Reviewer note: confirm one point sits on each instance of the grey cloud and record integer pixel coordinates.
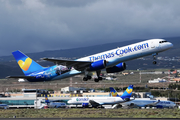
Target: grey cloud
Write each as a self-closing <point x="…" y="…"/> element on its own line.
<point x="38" y="25"/>
<point x="68" y="3"/>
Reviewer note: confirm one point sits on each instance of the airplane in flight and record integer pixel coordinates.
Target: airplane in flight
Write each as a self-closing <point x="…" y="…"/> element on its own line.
<point x="99" y="101"/>
<point x="112" y="61"/>
<point x="144" y="102"/>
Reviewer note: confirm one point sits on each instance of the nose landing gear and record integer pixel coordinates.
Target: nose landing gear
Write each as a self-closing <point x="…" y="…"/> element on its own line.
<point x="154" y="58"/>
<point x="154" y="62"/>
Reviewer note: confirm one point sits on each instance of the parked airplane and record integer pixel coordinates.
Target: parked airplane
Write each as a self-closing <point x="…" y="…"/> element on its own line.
<point x="54" y="104"/>
<point x="112" y="61"/>
<point x="148" y="102"/>
<point x="4" y="106"/>
<point x="99" y="101"/>
<point x="145" y="102"/>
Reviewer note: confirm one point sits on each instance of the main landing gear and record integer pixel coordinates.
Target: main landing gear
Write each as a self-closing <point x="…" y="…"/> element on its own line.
<point x="98" y="75"/>
<point x="88" y="77"/>
<point x="98" y="79"/>
<point x="154" y="58"/>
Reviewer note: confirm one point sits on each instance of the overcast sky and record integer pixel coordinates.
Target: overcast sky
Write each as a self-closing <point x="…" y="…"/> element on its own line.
<point x="39" y="25"/>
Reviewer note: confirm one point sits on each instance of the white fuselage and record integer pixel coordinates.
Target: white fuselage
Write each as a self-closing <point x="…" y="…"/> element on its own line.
<point x="130" y="52"/>
<point x="143" y="102"/>
<point x="99" y="100"/>
<point x="56" y="105"/>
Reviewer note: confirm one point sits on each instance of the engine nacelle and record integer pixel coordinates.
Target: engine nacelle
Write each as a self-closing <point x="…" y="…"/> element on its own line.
<point x="118" y="68"/>
<point x="101" y="64"/>
<point x="85" y="105"/>
<point x="132" y="104"/>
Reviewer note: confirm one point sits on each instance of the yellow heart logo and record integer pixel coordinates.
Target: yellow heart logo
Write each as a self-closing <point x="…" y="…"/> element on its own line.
<point x="114" y="94"/>
<point x="128" y="91"/>
<point x="25" y="65"/>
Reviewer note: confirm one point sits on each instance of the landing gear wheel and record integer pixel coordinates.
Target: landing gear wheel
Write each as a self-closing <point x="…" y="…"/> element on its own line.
<point x="154" y="62"/>
<point x="154" y="58"/>
<point x="96" y="80"/>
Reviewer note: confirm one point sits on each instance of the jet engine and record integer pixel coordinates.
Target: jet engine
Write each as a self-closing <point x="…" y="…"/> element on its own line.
<point x="132" y="104"/>
<point x="101" y="64"/>
<point x="85" y="105"/>
<point x="118" y="68"/>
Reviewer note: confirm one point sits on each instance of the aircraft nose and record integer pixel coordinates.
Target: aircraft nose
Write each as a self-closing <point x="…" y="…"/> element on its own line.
<point x="171" y="45"/>
<point x="69" y="102"/>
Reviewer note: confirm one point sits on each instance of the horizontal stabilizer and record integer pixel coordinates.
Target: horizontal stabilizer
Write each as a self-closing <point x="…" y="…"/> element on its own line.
<point x="26" y="77"/>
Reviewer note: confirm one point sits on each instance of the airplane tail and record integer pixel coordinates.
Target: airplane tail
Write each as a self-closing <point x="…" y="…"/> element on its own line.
<point x="25" y="63"/>
<point x="114" y="92"/>
<point x="46" y="99"/>
<point x="127" y="94"/>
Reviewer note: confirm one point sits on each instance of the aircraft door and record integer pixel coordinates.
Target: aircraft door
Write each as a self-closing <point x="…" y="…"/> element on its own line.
<point x="159" y="46"/>
<point x="152" y="44"/>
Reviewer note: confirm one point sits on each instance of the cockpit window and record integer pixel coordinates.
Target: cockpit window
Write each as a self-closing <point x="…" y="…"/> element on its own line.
<point x="162" y="41"/>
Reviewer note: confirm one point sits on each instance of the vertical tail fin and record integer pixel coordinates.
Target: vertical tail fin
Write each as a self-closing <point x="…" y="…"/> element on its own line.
<point x="26" y="64"/>
<point x="46" y="99"/>
<point x="128" y="92"/>
<point x="113" y="92"/>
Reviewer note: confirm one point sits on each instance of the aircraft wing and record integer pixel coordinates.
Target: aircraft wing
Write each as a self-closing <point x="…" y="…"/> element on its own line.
<point x="94" y="103"/>
<point x="153" y="104"/>
<point x="78" y="65"/>
<point x="26" y="77"/>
